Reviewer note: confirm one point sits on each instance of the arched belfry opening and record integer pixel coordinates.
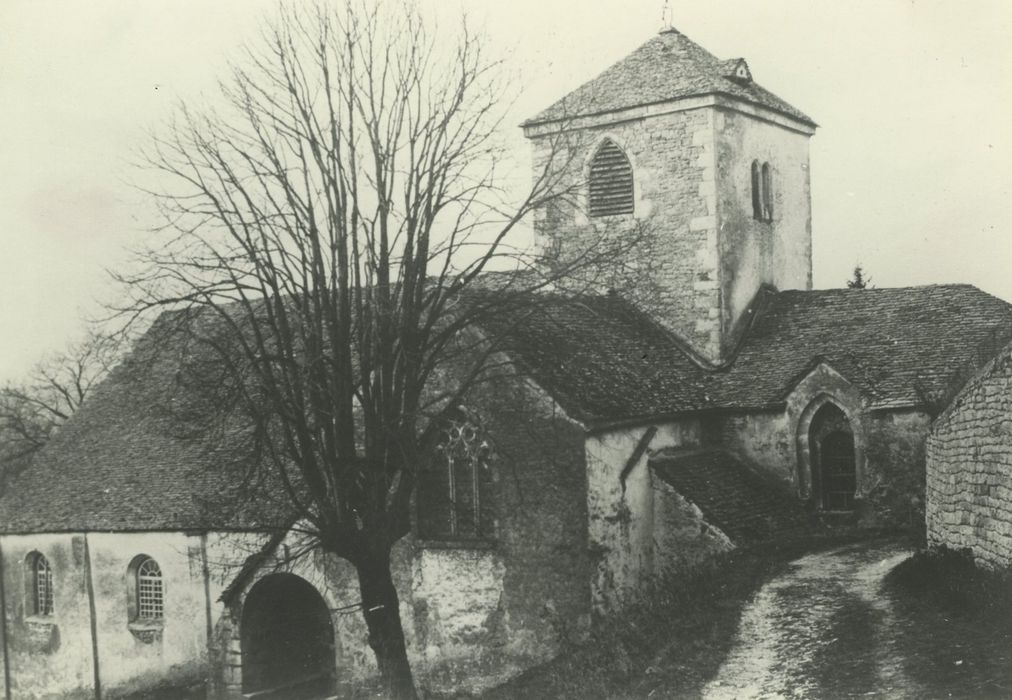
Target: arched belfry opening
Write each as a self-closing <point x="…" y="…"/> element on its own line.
<point x="287" y="638"/>
<point x="611" y="182"/>
<point x="833" y="459"/>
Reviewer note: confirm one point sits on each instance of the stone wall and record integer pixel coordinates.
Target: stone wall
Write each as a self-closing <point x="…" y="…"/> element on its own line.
<point x="645" y="530"/>
<point x="486" y="612"/>
<point x="778" y="252"/>
<point x="889" y="447"/>
<point x="664" y="256"/>
<point x="48" y="656"/>
<point x="691" y="254"/>
<point x="969" y="469"/>
<point x="64" y="655"/>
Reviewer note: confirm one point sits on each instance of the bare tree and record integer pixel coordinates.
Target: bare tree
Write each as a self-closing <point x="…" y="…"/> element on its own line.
<point x="329" y="232"/>
<point x="32" y="409"/>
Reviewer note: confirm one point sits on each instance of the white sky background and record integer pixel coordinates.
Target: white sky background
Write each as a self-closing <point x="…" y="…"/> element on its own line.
<point x="911" y="168"/>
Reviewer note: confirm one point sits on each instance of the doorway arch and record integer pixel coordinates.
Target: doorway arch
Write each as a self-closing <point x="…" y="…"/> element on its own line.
<point x="833" y="459"/>
<point x="287" y="638"/>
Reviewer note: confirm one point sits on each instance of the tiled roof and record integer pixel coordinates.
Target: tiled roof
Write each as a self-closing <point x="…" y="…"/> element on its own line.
<point x="667" y="67"/>
<point x="127" y="461"/>
<point x="746" y="506"/>
<point x="894" y="344"/>
<point x="600" y="357"/>
<point x="604" y="362"/>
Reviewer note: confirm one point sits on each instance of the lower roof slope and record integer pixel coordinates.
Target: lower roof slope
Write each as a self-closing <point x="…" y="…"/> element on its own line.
<point x="605" y="361"/>
<point x="135" y="457"/>
<point x="131" y="459"/>
<point x="746" y="506"/>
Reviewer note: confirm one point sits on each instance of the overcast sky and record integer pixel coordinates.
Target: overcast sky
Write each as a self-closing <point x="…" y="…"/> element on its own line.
<point x="911" y="166"/>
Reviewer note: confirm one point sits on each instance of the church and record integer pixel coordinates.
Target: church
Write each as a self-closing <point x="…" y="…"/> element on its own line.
<point x="697" y="397"/>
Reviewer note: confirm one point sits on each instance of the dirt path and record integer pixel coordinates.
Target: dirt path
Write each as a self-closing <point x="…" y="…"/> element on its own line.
<point x="826" y="629"/>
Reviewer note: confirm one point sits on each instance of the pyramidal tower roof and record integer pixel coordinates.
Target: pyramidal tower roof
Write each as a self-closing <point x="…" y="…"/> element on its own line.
<point x="668" y="67"/>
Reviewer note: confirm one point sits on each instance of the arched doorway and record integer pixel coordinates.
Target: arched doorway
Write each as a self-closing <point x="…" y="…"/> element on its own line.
<point x="287" y="638"/>
<point x="834" y="463"/>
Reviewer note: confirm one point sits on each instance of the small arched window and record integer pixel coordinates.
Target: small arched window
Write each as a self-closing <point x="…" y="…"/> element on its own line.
<point x="757" y="195"/>
<point x="767" y="193"/>
<point x="611" y="182"/>
<point x="40" y="584"/>
<point x="147" y="599"/>
<point x="762" y="192"/>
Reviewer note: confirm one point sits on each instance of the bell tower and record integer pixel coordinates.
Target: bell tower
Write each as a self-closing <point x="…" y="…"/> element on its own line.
<point x="687" y="188"/>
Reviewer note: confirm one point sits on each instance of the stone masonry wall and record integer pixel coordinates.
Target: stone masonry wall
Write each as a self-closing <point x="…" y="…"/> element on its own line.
<point x="664" y="256"/>
<point x="889" y="447"/>
<point x="645" y="531"/>
<point x="779" y="252"/>
<point x="969" y="469"/>
<point x="485" y="613"/>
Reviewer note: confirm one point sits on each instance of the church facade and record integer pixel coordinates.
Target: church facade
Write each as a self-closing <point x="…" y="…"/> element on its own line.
<point x="697" y="396"/>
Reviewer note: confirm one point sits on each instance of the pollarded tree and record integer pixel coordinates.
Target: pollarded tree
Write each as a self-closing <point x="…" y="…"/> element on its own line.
<point x="329" y="234"/>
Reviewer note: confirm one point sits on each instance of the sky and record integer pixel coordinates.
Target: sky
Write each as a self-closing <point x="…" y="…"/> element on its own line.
<point x="911" y="166"/>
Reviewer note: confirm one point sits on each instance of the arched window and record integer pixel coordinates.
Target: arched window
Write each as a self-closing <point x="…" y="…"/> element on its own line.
<point x="147" y="592"/>
<point x="454" y="492"/>
<point x="757" y="195"/>
<point x="40" y="584"/>
<point x="767" y="193"/>
<point x="762" y="192"/>
<point x="611" y="181"/>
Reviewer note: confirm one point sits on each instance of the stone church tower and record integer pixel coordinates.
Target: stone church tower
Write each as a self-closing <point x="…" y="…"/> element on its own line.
<point x="686" y="183"/>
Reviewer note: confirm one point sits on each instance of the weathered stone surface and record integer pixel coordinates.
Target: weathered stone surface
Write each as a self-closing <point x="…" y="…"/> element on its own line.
<point x="969" y="468"/>
<point x="691" y="253"/>
<point x="889" y="446"/>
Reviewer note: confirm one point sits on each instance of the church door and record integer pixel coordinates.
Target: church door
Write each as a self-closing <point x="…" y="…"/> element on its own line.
<point x="839" y="479"/>
<point x="287" y="638"/>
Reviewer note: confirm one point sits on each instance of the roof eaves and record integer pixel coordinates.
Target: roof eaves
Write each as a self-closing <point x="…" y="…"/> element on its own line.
<point x="798" y="116"/>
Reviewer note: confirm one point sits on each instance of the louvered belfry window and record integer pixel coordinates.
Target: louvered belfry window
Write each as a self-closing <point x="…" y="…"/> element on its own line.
<point x="611" y="182"/>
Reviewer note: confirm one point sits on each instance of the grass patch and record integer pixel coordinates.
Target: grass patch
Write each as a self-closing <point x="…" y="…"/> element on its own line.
<point x="955" y="624"/>
<point x="671" y="645"/>
<point x="951" y="579"/>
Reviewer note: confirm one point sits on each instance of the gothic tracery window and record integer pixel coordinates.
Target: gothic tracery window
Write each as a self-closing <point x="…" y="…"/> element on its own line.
<point x="455" y="491"/>
<point x="611" y="182"/>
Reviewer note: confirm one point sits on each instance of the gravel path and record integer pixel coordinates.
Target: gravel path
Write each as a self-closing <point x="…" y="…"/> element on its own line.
<point x="826" y="629"/>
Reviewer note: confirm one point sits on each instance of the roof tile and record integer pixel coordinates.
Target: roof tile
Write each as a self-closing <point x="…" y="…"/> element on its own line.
<point x="667" y="67"/>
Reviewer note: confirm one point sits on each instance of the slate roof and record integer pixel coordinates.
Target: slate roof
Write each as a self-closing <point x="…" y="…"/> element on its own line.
<point x="604" y="361"/>
<point x="894" y="344"/>
<point x="600" y="357"/>
<point x="746" y="506"/>
<point x="667" y="67"/>
<point x="128" y="459"/>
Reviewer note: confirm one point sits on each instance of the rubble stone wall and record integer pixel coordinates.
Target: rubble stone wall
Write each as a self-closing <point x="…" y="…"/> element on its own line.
<point x="969" y="469"/>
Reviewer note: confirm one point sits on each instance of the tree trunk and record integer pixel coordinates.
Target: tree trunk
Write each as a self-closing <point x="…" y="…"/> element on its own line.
<point x="383" y="618"/>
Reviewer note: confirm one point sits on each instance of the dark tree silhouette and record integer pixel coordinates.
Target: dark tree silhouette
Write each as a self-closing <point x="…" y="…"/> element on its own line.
<point x="329" y="233"/>
<point x="858" y="279"/>
<point x="32" y="409"/>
